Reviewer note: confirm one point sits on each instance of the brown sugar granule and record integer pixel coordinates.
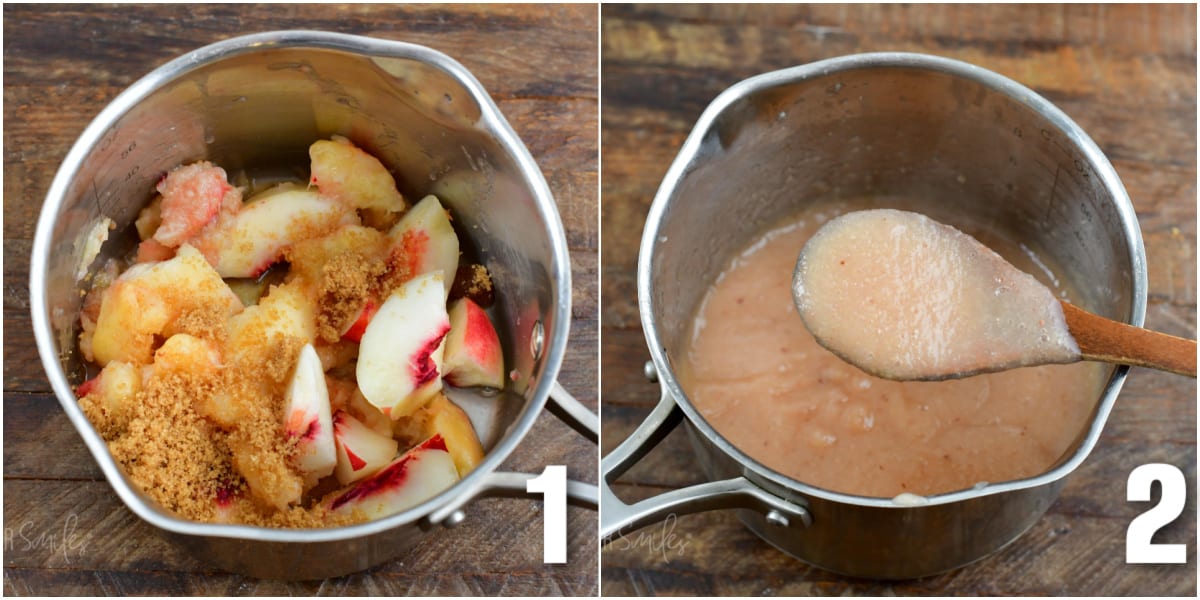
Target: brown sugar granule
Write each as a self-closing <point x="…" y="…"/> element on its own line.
<point x="192" y="467"/>
<point x="108" y="424"/>
<point x="204" y="321"/>
<point x="412" y="429"/>
<point x="260" y="452"/>
<point x="169" y="451"/>
<point x="234" y="397"/>
<point x="346" y="281"/>
<point x="473" y="281"/>
<point x="397" y="271"/>
<point x="280" y="354"/>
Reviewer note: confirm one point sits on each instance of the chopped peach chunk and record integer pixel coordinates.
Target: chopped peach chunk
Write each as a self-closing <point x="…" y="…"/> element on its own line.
<point x="345" y="173"/>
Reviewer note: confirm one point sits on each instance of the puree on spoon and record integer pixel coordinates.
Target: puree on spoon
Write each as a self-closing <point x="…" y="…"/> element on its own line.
<point x="904" y="297"/>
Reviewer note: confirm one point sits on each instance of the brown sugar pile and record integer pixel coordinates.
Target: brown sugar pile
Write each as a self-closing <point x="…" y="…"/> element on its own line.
<point x="347" y="280"/>
<point x="193" y="465"/>
<point x="168" y="450"/>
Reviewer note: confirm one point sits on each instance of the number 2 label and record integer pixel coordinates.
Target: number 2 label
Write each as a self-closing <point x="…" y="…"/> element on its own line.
<point x="1138" y="547"/>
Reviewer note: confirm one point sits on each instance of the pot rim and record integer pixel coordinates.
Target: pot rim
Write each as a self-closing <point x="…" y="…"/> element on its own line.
<point x="491" y="120"/>
<point x="694" y="146"/>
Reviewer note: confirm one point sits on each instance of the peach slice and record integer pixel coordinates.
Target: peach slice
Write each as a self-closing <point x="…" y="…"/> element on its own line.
<point x="423" y="242"/>
<point x="418" y="475"/>
<point x="229" y="503"/>
<point x="447" y="420"/>
<point x="183" y="353"/>
<point x="229" y="407"/>
<point x="114" y="391"/>
<point x="284" y="312"/>
<point x="89" y="311"/>
<point x="253" y="239"/>
<point x="307" y="259"/>
<point x="400" y="357"/>
<point x="306" y="417"/>
<point x="357" y="328"/>
<point x="361" y="451"/>
<point x="120" y="383"/>
<point x="145" y="300"/>
<point x="268" y="477"/>
<point x="192" y="196"/>
<point x="152" y="251"/>
<point x="353" y="177"/>
<point x="473" y="355"/>
<point x="130" y="317"/>
<point x="149" y="218"/>
<point x="369" y="415"/>
<point x="91" y="386"/>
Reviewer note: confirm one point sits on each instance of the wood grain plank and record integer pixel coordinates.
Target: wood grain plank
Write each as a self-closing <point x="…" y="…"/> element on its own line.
<point x="623" y="354"/>
<point x="40" y="443"/>
<point x="57" y="524"/>
<point x="1011" y="30"/>
<point x="1140" y="30"/>
<point x="562" y="134"/>
<point x="512" y="49"/>
<point x="76" y="582"/>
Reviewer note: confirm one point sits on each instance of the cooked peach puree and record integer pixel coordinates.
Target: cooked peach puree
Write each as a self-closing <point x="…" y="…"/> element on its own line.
<point x="758" y="376"/>
<point x="902" y="296"/>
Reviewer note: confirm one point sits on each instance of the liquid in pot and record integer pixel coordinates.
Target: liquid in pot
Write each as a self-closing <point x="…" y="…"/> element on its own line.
<point x="759" y="378"/>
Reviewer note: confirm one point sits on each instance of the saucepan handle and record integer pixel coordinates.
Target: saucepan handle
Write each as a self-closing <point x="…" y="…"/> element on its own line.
<point x="508" y="484"/>
<point x="619" y="519"/>
<point x="570" y="411"/>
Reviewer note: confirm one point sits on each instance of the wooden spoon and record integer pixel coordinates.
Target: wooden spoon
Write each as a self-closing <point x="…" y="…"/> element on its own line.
<point x="1111" y="341"/>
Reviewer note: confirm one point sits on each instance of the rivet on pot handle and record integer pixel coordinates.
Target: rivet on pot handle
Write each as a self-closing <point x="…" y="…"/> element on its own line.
<point x="508" y="484"/>
<point x="619" y="519"/>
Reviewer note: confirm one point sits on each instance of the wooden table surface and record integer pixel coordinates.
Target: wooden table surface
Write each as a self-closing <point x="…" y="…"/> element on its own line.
<point x="1126" y="74"/>
<point x="65" y="532"/>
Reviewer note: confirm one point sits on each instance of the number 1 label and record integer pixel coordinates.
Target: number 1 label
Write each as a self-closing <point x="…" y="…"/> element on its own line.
<point x="552" y="485"/>
<point x="1138" y="547"/>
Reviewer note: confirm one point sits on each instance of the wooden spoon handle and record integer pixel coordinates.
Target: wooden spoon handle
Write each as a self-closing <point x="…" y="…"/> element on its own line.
<point x="1113" y="342"/>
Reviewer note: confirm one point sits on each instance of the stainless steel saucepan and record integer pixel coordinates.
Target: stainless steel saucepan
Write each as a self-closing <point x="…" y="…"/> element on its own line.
<point x="256" y="103"/>
<point x="986" y="150"/>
